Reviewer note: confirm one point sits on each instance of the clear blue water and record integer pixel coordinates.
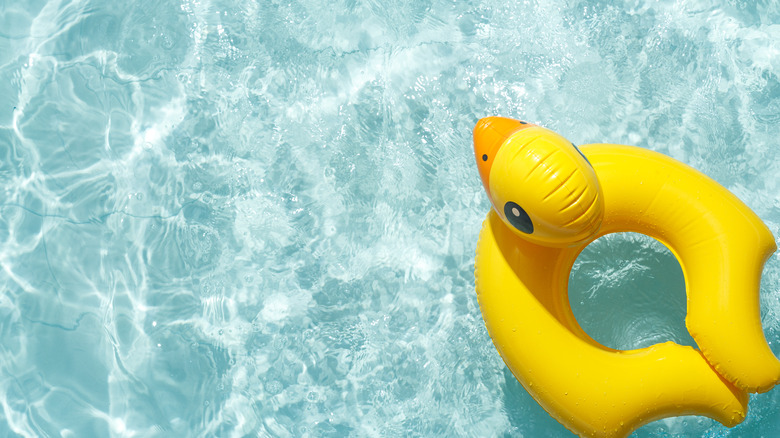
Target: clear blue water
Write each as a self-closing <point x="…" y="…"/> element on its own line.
<point x="258" y="218"/>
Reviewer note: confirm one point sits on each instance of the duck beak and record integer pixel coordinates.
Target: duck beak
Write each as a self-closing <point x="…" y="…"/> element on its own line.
<point x="489" y="134"/>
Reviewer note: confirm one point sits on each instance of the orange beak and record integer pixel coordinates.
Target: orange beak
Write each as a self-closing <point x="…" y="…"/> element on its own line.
<point x="489" y="134"/>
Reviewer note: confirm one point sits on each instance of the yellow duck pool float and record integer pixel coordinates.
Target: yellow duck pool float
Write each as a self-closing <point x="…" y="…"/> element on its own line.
<point x="550" y="200"/>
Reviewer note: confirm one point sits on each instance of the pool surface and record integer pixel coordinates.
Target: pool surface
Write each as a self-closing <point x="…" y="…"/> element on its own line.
<point x="258" y="218"/>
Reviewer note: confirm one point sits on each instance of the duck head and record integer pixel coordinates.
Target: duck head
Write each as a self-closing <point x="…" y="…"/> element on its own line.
<point x="539" y="183"/>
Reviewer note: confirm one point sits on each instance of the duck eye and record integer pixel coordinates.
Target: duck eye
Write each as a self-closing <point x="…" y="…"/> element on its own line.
<point x="581" y="154"/>
<point x="518" y="217"/>
<point x="484" y="157"/>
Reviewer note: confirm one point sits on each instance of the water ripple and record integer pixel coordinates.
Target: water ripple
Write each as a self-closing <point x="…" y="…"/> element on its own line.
<point x="228" y="218"/>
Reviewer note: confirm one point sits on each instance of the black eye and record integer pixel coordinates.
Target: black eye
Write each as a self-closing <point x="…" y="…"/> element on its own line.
<point x="581" y="154"/>
<point x="484" y="157"/>
<point x="518" y="217"/>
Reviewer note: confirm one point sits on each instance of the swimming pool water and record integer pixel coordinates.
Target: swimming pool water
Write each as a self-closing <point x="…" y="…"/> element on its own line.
<point x="258" y="218"/>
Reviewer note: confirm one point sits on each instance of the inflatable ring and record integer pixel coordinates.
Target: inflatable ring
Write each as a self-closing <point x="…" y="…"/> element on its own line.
<point x="550" y="200"/>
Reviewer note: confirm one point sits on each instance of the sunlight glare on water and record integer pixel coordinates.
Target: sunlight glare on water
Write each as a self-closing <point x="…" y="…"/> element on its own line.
<point x="224" y="218"/>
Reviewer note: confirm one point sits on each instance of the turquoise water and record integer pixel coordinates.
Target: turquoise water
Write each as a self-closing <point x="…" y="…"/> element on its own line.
<point x="258" y="218"/>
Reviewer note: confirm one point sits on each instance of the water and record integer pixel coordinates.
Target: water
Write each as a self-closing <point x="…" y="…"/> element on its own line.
<point x="258" y="218"/>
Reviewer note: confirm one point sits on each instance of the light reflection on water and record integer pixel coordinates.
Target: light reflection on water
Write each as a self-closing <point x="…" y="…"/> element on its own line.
<point x="224" y="218"/>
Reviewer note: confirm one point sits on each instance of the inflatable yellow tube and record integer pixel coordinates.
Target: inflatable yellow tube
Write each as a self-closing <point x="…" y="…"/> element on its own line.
<point x="550" y="200"/>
